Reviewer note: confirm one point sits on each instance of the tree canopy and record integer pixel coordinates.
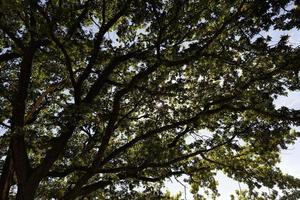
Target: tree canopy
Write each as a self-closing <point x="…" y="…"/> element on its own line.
<point x="108" y="99"/>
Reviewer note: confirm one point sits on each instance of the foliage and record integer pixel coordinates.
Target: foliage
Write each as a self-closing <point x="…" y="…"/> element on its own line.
<point x="107" y="99"/>
<point x="272" y="195"/>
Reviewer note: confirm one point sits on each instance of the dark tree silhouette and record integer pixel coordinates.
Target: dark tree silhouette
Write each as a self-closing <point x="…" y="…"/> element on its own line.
<point x="107" y="99"/>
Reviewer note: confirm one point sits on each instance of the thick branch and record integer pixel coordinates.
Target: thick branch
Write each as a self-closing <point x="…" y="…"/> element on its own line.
<point x="17" y="145"/>
<point x="8" y="56"/>
<point x="6" y="177"/>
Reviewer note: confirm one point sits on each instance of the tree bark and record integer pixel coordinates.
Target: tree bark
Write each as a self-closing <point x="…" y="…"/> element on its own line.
<point x="26" y="191"/>
<point x="6" y="179"/>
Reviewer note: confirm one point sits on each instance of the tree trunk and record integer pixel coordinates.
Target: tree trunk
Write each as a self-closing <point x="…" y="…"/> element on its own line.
<point x="6" y="179"/>
<point x="26" y="192"/>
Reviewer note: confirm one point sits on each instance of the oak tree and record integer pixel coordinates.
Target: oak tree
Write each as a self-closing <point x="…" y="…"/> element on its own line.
<point x="108" y="99"/>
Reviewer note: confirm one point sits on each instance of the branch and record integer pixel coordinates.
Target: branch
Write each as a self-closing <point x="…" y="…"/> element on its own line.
<point x="61" y="141"/>
<point x="131" y="170"/>
<point x="175" y="140"/>
<point x="151" y="179"/>
<point x="60" y="45"/>
<point x="53" y="153"/>
<point x="222" y="100"/>
<point x="110" y="127"/>
<point x="156" y="131"/>
<point x="97" y="41"/>
<point x="12" y="36"/>
<point x="79" y="19"/>
<point x="89" y="188"/>
<point x="6" y="179"/>
<point x="8" y="56"/>
<point x="5" y="125"/>
<point x="37" y="105"/>
<point x="126" y="115"/>
<point x="67" y="171"/>
<point x="201" y="48"/>
<point x="17" y="144"/>
<point x="68" y="63"/>
<point x="288" y="115"/>
<point x="104" y="76"/>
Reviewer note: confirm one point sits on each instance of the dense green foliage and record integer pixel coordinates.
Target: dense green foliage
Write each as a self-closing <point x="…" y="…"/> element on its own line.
<point x="108" y="99"/>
